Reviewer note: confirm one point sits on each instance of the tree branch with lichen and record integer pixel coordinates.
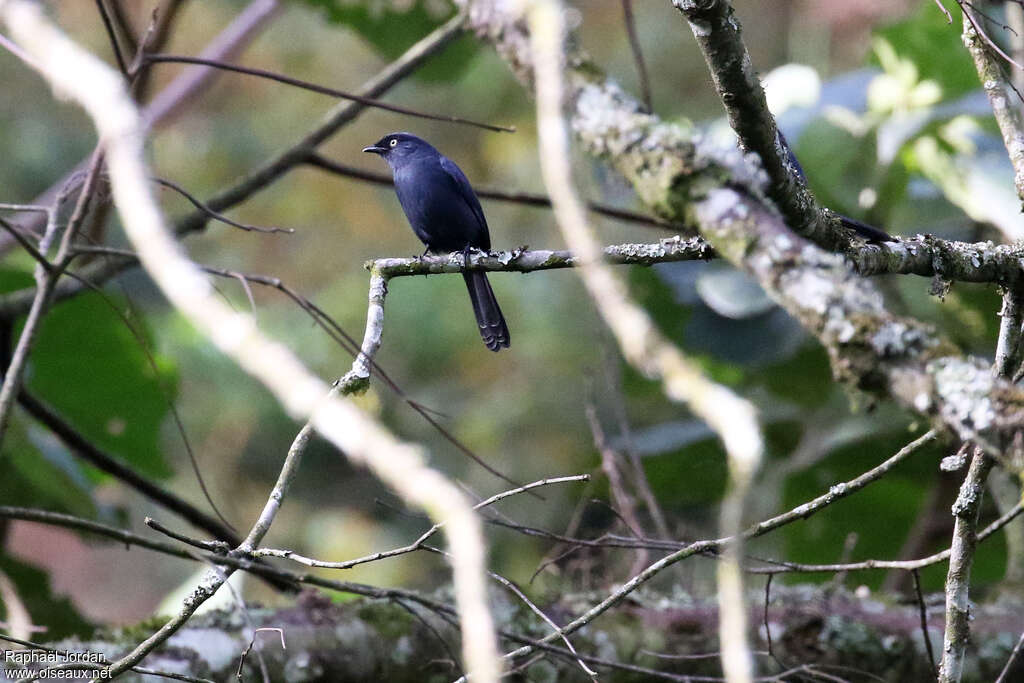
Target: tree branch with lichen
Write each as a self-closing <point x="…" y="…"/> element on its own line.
<point x="723" y="194"/>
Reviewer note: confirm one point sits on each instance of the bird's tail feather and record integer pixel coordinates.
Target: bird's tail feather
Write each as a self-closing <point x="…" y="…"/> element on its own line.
<point x="488" y="314"/>
<point x="868" y="232"/>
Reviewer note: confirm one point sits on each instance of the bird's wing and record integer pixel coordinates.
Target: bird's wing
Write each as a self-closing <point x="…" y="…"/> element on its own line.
<point x="465" y="191"/>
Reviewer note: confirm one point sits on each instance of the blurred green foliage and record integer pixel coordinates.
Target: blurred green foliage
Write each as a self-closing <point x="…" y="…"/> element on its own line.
<point x="891" y="143"/>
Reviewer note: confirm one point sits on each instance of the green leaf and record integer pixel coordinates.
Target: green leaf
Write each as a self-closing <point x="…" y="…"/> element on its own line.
<point x="40" y="473"/>
<point x="89" y="366"/>
<point x="57" y="614"/>
<point x="934" y="47"/>
<point x="393" y="26"/>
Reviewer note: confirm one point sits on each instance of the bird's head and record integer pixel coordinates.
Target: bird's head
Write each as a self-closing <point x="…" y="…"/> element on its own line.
<point x="396" y="147"/>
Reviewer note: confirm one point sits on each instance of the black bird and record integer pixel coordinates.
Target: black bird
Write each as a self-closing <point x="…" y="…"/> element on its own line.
<point x="445" y="214"/>
<point x="868" y="232"/>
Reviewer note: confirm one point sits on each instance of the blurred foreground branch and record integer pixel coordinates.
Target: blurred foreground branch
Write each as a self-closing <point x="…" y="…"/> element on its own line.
<point x="102" y="93"/>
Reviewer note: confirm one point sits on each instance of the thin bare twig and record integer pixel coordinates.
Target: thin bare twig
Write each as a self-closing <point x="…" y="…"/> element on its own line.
<point x="638" y="55"/>
<point x="46" y="281"/>
<point x="923" y="610"/>
<point x="115" y="45"/>
<point x="525" y="198"/>
<point x="324" y="90"/>
<point x="218" y="216"/>
<point x="1011" y="660"/>
<point x="418" y="543"/>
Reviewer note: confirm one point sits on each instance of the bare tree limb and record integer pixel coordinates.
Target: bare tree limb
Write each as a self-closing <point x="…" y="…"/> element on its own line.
<point x="966" y="510"/>
<point x="305" y="85"/>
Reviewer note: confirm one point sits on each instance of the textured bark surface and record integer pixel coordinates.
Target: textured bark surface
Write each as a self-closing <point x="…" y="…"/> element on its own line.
<point x="724" y="195"/>
<point x="373" y="640"/>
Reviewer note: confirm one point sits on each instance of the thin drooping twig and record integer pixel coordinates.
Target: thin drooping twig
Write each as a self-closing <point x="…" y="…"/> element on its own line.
<point x="183" y="89"/>
<point x="993" y="45"/>
<point x="79" y="445"/>
<point x="15" y="232"/>
<point x="115" y="45"/>
<point x="418" y="543"/>
<point x="358" y="378"/>
<point x="101" y="92"/>
<point x="611" y="465"/>
<point x="324" y="90"/>
<point x="277" y="165"/>
<point x="966" y="511"/>
<point x="923" y="610"/>
<point x="638" y="54"/>
<point x="46" y="281"/>
<point x="733" y="419"/>
<point x="1011" y="660"/>
<point x="525" y="198"/>
<point x="218" y="216"/>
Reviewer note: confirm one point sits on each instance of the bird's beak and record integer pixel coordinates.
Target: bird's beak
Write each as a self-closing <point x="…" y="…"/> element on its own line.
<point x="374" y="149"/>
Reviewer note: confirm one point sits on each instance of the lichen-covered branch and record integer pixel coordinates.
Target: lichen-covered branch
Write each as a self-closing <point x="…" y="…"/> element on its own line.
<point x="966" y="510"/>
<point x="530" y="260"/>
<point x="721" y="194"/>
<point x="1000" y="97"/>
<point x="381" y="640"/>
<point x="717" y="30"/>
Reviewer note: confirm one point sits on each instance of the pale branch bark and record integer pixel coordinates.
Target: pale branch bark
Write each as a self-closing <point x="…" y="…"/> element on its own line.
<point x="668" y="250"/>
<point x="380" y="640"/>
<point x="966" y="510"/>
<point x="1003" y="101"/>
<point x="720" y="193"/>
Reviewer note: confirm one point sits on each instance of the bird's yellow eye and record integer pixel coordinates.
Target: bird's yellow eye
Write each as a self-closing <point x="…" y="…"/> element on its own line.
<point x="394" y="141"/>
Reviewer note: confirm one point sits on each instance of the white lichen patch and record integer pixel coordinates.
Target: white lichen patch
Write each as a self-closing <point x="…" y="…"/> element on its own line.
<point x="965" y="387"/>
<point x="214" y="646"/>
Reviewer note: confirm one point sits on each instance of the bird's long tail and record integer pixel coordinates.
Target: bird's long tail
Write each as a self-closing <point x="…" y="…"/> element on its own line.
<point x="488" y="314"/>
